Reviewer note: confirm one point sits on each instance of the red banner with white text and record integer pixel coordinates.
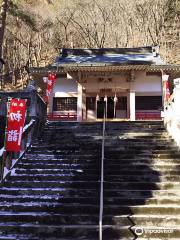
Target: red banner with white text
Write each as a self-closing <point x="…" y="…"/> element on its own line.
<point x="50" y="82"/>
<point x="15" y="124"/>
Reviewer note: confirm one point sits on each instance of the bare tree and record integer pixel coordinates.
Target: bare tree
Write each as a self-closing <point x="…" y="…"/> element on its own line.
<point x="3" y="13"/>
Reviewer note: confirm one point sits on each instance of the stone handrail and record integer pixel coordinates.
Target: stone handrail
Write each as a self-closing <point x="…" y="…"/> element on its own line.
<point x="172" y="116"/>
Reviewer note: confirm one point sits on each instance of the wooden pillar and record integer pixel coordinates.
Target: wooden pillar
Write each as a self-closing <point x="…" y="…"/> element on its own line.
<point x="132" y="105"/>
<point x="80" y="103"/>
<point x="84" y="105"/>
<point x="128" y="105"/>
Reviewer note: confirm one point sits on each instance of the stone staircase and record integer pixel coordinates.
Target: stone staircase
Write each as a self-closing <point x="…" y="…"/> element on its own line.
<point x="53" y="193"/>
<point x="142" y="182"/>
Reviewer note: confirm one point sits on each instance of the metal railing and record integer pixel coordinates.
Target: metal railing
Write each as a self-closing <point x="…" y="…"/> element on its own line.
<point x="102" y="178"/>
<point x="10" y="158"/>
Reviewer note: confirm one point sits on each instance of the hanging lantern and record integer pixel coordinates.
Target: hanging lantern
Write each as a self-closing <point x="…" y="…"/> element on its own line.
<point x="45" y="79"/>
<point x="97" y="97"/>
<point x="115" y="98"/>
<point x="165" y="77"/>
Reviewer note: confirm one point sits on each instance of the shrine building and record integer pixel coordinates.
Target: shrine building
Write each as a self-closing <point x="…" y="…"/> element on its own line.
<point x="126" y="83"/>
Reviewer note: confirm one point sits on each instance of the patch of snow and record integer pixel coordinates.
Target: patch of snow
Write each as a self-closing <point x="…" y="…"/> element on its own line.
<point x="14" y="161"/>
<point x="6" y="171"/>
<point x="1" y="151"/>
<point x="79" y="170"/>
<point x="34" y="189"/>
<point x="28" y="125"/>
<point x="13" y="172"/>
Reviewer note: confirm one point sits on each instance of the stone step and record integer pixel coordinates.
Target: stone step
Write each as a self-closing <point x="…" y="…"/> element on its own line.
<point x="112" y="168"/>
<point x="52" y="177"/>
<point x="56" y="207"/>
<point x="84" y="172"/>
<point x="141" y="151"/>
<point x="49" y="199"/>
<point x="95" y="185"/>
<point x="7" y="199"/>
<point x="142" y="178"/>
<point x="68" y="192"/>
<point x="142" y="209"/>
<point x="61" y="161"/>
<point x="139" y="135"/>
<point x="126" y="163"/>
<point x="45" y="231"/>
<point x="54" y="184"/>
<point x="68" y="147"/>
<point x="126" y="155"/>
<point x="139" y="146"/>
<point x="106" y="161"/>
<point x="95" y="151"/>
<point x="19" y="237"/>
<point x="136" y="165"/>
<point x="75" y="165"/>
<point x="123" y="146"/>
<point x="58" y="156"/>
<point x="48" y="218"/>
<point x="61" y="166"/>
<point x="125" y="160"/>
<point x="71" y="192"/>
<point x="157" y="220"/>
<point x="58" y="171"/>
<point x="110" y="178"/>
<point x="142" y="193"/>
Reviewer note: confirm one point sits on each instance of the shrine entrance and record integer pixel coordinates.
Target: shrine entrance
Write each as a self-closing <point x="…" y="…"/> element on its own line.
<point x="101" y="106"/>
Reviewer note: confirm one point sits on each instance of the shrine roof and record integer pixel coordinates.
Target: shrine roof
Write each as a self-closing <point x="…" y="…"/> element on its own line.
<point x="108" y="59"/>
<point x="109" y="56"/>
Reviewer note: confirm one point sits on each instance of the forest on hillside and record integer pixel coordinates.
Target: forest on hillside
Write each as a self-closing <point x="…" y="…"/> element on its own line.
<point x="37" y="29"/>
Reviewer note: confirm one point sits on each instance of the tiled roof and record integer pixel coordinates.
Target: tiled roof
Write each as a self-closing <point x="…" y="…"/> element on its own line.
<point x="109" y="56"/>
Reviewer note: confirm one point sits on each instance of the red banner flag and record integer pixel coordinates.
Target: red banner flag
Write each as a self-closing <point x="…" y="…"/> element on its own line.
<point x="15" y="124"/>
<point x="51" y="81"/>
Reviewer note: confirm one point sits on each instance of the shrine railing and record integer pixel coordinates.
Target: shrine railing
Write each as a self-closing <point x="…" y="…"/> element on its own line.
<point x="9" y="159"/>
<point x="148" y="115"/>
<point x="62" y="117"/>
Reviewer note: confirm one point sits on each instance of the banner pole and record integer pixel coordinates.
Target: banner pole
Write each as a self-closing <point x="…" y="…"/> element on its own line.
<point x="5" y="133"/>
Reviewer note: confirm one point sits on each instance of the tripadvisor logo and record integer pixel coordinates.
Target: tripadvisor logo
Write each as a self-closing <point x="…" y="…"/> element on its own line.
<point x="139" y="231"/>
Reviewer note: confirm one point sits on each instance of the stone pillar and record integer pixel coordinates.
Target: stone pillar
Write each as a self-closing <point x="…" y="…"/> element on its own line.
<point x="80" y="103"/>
